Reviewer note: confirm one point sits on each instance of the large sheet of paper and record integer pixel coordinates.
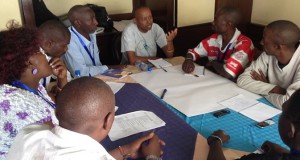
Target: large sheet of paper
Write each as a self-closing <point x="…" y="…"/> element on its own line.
<point x="131" y="123"/>
<point x="189" y="94"/>
<point x="115" y="87"/>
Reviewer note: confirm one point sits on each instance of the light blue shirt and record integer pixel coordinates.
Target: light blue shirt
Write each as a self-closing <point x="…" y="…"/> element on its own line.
<point x="77" y="58"/>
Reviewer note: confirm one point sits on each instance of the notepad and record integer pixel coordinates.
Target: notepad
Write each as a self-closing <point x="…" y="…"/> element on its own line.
<point x="160" y="63"/>
<point x="198" y="71"/>
<point x="116" y="73"/>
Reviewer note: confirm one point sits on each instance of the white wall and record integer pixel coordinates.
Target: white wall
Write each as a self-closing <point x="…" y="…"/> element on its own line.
<point x="9" y="10"/>
<point x="192" y="12"/>
<point x="266" y="11"/>
<point x="112" y="6"/>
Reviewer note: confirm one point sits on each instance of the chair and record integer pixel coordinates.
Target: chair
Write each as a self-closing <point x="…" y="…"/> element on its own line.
<point x="116" y="48"/>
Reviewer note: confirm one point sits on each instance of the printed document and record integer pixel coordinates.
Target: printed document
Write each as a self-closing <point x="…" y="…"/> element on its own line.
<point x="134" y="122"/>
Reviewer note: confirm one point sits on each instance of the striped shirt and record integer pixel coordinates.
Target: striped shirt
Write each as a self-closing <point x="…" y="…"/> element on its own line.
<point x="235" y="56"/>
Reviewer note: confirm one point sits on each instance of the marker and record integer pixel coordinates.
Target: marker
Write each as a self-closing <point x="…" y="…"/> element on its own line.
<point x="163" y="94"/>
<point x="163" y="68"/>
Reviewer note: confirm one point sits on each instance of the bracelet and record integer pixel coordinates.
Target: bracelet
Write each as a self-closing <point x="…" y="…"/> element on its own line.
<point x="125" y="156"/>
<point x="152" y="157"/>
<point x="188" y="58"/>
<point x="214" y="137"/>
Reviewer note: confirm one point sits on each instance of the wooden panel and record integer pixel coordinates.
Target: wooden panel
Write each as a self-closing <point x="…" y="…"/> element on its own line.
<point x="164" y="12"/>
<point x="105" y="45"/>
<point x="27" y="13"/>
<point x="255" y="32"/>
<point x="190" y="36"/>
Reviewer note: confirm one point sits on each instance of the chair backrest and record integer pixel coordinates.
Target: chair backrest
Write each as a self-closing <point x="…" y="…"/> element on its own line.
<point x="116" y="48"/>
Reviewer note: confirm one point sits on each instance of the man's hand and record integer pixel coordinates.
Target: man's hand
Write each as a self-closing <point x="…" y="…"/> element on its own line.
<point x="272" y="149"/>
<point x="134" y="148"/>
<point x="259" y="76"/>
<point x="278" y="90"/>
<point x="224" y="137"/>
<point x="152" y="147"/>
<point x="58" y="68"/>
<point x="171" y="35"/>
<point x="188" y="66"/>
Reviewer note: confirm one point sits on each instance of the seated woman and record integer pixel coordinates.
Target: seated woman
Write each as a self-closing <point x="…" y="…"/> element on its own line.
<point x="23" y="100"/>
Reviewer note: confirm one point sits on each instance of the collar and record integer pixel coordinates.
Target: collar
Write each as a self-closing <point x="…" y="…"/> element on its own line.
<point x="75" y="138"/>
<point x="219" y="40"/>
<point x="86" y="41"/>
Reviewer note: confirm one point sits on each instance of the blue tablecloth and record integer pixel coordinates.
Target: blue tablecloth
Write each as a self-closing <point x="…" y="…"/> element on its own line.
<point x="244" y="134"/>
<point x="178" y="135"/>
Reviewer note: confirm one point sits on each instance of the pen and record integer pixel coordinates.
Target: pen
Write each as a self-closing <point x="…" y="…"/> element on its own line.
<point x="163" y="94"/>
<point x="203" y="71"/>
<point x="163" y="68"/>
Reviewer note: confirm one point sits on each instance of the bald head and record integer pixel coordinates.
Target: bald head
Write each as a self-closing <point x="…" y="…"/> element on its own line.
<point x="233" y="15"/>
<point x="285" y="33"/>
<point x="83" y="105"/>
<point x="77" y="12"/>
<point x="54" y="30"/>
<point x="140" y="10"/>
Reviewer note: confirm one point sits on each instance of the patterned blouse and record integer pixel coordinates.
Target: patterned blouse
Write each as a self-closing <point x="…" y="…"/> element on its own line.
<point x="19" y="108"/>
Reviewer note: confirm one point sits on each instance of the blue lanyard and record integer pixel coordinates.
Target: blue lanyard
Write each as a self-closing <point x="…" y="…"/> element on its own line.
<point x="38" y="93"/>
<point x="44" y="82"/>
<point x="224" y="54"/>
<point x="295" y="151"/>
<point x="85" y="47"/>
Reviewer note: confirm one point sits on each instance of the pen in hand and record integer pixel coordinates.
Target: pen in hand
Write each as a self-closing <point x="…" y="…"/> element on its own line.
<point x="163" y="68"/>
<point x="163" y="94"/>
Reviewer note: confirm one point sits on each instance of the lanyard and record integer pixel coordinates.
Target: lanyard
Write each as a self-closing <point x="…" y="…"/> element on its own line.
<point x="84" y="46"/>
<point x="224" y="54"/>
<point x="38" y="93"/>
<point x="44" y="82"/>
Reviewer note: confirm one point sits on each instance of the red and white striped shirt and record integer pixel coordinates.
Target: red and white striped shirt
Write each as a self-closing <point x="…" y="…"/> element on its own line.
<point x="235" y="56"/>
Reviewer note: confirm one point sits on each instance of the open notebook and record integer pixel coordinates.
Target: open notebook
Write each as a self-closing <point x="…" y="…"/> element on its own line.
<point x="160" y="63"/>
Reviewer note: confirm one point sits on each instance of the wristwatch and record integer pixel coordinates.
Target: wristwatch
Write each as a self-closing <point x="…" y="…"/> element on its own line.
<point x="152" y="157"/>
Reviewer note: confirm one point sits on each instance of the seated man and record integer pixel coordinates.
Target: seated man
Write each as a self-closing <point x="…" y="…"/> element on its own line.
<point x="289" y="130"/>
<point x="276" y="72"/>
<point x="139" y="38"/>
<point x="55" y="40"/>
<point x="85" y="109"/>
<point x="228" y="51"/>
<point x="83" y="52"/>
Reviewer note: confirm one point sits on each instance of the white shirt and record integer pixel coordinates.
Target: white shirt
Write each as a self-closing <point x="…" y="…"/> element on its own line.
<point x="143" y="44"/>
<point x="288" y="77"/>
<point x="40" y="143"/>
